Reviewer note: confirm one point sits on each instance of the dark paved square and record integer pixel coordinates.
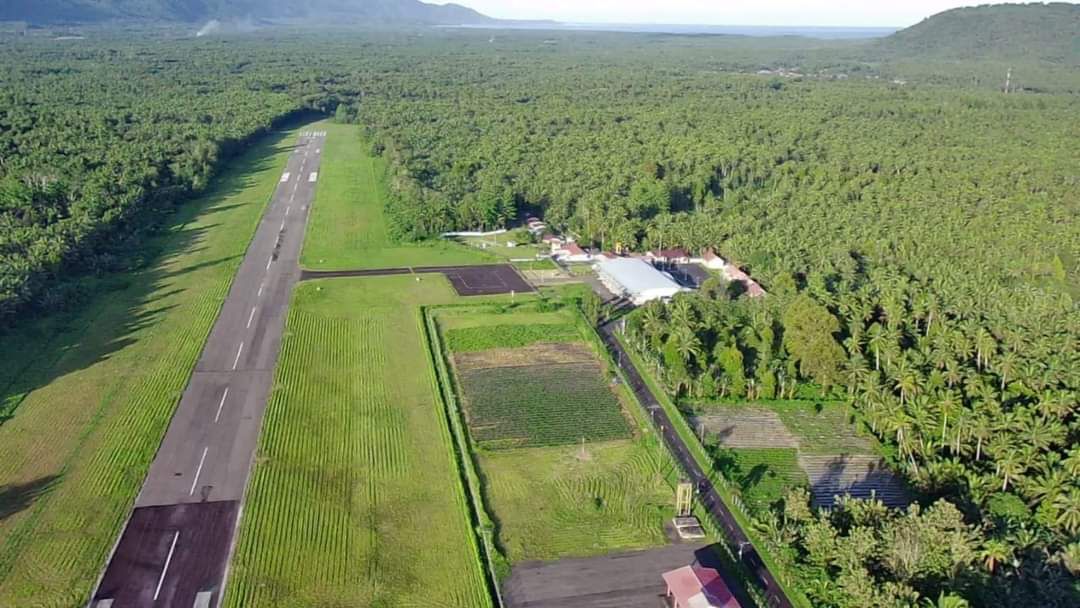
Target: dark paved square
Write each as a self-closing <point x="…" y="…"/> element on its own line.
<point x="168" y="555"/>
<point x="486" y="280"/>
<point x="621" y="580"/>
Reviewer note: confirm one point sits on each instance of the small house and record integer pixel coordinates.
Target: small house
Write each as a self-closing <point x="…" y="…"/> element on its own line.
<point x="698" y="587"/>
<point x="710" y="260"/>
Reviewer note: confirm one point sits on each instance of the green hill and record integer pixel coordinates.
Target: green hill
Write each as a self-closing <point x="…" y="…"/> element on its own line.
<point x="1041" y="32"/>
<point x="365" y="11"/>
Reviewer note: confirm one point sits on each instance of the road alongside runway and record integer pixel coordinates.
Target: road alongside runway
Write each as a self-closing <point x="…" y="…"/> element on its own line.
<point x="175" y="548"/>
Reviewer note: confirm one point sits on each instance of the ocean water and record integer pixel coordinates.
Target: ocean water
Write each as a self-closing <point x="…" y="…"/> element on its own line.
<point x="823" y="32"/>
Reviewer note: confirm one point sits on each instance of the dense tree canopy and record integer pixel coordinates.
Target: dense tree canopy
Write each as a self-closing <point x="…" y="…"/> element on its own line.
<point x="920" y="241"/>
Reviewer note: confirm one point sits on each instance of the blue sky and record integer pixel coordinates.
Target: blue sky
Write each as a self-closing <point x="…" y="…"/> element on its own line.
<point x="899" y="13"/>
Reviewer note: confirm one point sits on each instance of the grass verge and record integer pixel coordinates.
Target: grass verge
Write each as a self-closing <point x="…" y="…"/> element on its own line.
<point x="348" y="227"/>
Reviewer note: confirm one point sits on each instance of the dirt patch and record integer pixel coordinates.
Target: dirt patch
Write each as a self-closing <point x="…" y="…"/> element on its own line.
<point x="747" y="428"/>
<point x="544" y="353"/>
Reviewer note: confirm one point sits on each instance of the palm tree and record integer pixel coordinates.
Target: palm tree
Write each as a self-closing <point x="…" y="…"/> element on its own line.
<point x="1006" y="367"/>
<point x="1068" y="508"/>
<point x="876" y="341"/>
<point x="995" y="551"/>
<point x="907" y="381"/>
<point x="1010" y="466"/>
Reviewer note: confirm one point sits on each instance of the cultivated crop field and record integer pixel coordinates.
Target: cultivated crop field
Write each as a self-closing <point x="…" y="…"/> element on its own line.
<point x="90" y="395"/>
<point x="532" y="388"/>
<point x="355" y="499"/>
<point x="539" y="405"/>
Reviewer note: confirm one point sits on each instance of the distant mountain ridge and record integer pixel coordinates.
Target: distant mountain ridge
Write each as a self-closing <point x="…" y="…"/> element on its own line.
<point x="380" y="12"/>
<point x="1046" y="32"/>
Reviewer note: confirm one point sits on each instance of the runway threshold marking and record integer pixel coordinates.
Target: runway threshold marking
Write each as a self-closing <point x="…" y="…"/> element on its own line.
<point x="198" y="471"/>
<point x="285" y="177"/>
<point x="221" y="405"/>
<point x="165" y="569"/>
<point x="236" y="361"/>
<point x="251" y="317"/>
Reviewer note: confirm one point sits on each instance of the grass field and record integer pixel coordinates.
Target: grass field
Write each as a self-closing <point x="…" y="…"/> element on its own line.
<point x="484" y="337"/>
<point x="552" y="503"/>
<point x="347" y="228"/>
<point x="90" y="394"/>
<point x="355" y="499"/>
<point x="762" y="475"/>
<point x="610" y="493"/>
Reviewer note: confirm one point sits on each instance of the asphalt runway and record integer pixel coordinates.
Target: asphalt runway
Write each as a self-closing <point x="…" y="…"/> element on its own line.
<point x="206" y="455"/>
<point x="483" y="280"/>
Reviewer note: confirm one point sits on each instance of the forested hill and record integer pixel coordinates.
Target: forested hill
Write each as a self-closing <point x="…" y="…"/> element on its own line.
<point x="1047" y="32"/>
<point x="385" y="12"/>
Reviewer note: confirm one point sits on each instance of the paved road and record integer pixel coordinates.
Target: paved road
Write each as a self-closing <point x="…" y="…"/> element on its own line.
<point x="165" y="557"/>
<point x="707" y="495"/>
<point x="621" y="580"/>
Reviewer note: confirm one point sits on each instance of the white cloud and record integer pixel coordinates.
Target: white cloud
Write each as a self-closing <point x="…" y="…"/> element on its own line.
<point x="721" y="12"/>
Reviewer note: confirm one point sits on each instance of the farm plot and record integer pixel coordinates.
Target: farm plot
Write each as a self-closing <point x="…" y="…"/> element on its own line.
<point x="826" y="452"/>
<point x="355" y="498"/>
<point x="540" y="405"/>
<point x="529" y="402"/>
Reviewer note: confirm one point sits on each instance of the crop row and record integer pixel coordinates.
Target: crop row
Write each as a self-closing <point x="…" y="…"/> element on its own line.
<point x="541" y="405"/>
<point x="348" y="499"/>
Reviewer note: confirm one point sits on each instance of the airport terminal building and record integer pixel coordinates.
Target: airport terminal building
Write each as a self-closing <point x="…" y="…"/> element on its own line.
<point x="636" y="280"/>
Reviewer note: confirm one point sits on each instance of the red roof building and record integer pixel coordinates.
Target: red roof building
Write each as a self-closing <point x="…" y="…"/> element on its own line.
<point x="698" y="587"/>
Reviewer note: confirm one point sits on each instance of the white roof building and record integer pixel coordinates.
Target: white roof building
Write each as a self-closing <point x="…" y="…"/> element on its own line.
<point x="636" y="280"/>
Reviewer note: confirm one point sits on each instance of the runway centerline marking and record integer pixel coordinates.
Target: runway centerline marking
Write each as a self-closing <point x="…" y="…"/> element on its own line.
<point x="251" y="317"/>
<point x="283" y="224"/>
<point x="236" y="361"/>
<point x="268" y="262"/>
<point x="221" y="405"/>
<point x="198" y="471"/>
<point x="259" y="295"/>
<point x="287" y="210"/>
<point x="165" y="569"/>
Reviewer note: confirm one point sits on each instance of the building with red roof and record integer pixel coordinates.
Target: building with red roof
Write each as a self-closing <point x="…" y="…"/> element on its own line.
<point x="698" y="587"/>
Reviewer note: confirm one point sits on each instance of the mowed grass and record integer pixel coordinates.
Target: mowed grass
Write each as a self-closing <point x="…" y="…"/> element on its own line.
<point x="347" y="228"/>
<point x="557" y="502"/>
<point x="486" y="337"/>
<point x="355" y="498"/>
<point x="90" y="394"/>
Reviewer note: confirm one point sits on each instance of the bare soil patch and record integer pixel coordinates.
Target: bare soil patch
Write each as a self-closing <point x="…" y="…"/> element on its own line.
<point x="544" y="353"/>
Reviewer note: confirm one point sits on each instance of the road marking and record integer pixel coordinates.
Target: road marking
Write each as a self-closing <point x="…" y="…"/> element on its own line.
<point x="236" y="361"/>
<point x="195" y="481"/>
<point x="287" y="210"/>
<point x="318" y="150"/>
<point x="268" y="262"/>
<point x="168" y="559"/>
<point x="284" y="177"/>
<point x="314" y="176"/>
<point x="259" y="295"/>
<point x="202" y="599"/>
<point x="221" y="405"/>
<point x="282" y="224"/>
<point x="251" y="317"/>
